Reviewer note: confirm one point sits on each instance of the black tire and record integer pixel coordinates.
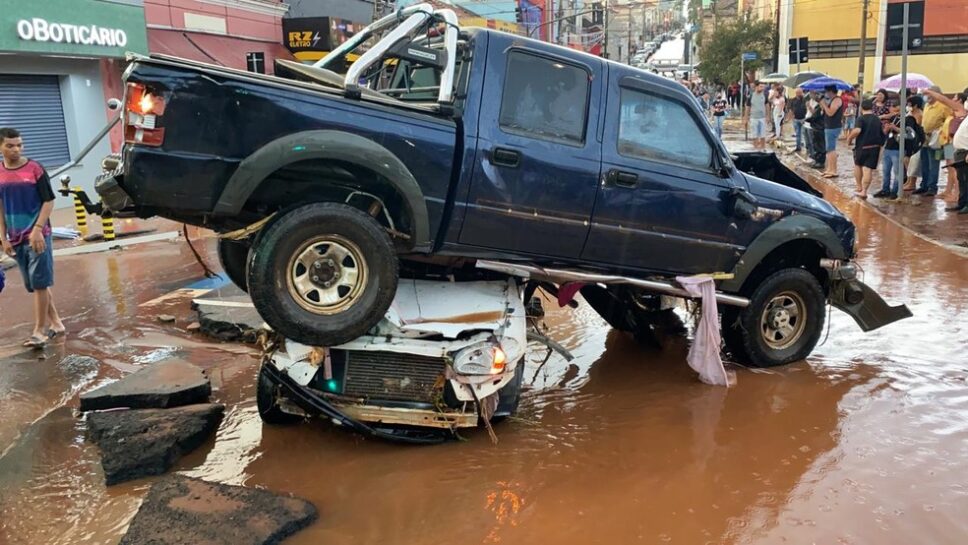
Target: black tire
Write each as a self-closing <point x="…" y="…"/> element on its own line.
<point x="768" y="333"/>
<point x="356" y="245"/>
<point x="266" y="393"/>
<point x="234" y="257"/>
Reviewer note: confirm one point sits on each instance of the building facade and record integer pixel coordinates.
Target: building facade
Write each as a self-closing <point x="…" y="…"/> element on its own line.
<point x="241" y="34"/>
<point x="833" y="28"/>
<point x="60" y="61"/>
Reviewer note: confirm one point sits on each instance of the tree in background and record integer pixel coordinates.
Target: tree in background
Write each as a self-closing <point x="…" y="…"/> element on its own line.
<point x="721" y="51"/>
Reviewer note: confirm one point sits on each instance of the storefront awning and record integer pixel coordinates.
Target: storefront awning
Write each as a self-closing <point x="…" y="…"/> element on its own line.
<point x="220" y="50"/>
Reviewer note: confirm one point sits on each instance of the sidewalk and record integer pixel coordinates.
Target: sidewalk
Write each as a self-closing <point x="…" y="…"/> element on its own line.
<point x="923" y="215"/>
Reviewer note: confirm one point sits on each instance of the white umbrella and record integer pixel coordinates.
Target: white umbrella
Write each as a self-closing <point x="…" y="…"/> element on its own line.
<point x="775" y="77"/>
<point x="914" y="81"/>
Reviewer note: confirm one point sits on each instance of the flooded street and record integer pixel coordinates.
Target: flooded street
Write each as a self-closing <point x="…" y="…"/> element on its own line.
<point x="866" y="442"/>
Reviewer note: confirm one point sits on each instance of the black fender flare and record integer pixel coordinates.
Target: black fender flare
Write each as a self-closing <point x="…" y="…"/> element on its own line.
<point x="326" y="144"/>
<point x="790" y="228"/>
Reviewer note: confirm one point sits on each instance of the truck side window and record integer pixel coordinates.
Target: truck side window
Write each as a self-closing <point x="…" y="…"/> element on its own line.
<point x="544" y="98"/>
<point x="657" y="128"/>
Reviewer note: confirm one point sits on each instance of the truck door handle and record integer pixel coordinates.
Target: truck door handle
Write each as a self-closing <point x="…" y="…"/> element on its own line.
<point x="623" y="179"/>
<point x="506" y="157"/>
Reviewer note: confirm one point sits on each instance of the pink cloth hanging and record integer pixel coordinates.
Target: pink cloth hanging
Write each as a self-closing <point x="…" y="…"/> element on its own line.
<point x="704" y="354"/>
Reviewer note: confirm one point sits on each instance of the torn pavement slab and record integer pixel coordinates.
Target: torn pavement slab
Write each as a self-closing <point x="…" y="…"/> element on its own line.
<point x="181" y="510"/>
<point x="228" y="314"/>
<point x="137" y="443"/>
<point x="169" y="383"/>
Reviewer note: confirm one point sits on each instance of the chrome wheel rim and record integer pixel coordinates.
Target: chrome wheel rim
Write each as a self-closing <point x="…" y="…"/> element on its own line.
<point x="783" y="321"/>
<point x="326" y="275"/>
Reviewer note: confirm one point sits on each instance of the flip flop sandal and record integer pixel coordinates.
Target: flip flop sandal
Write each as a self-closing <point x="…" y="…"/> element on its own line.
<point x="51" y="334"/>
<point x="35" y="342"/>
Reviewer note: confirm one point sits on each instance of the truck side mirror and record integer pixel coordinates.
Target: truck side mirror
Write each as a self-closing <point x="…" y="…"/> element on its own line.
<point x="114" y="104"/>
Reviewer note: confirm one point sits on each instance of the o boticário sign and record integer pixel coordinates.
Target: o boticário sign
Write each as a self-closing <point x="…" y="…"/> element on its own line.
<point x="92" y="28"/>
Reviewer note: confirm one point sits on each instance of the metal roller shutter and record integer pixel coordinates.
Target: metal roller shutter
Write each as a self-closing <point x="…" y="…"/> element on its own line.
<point x="32" y="105"/>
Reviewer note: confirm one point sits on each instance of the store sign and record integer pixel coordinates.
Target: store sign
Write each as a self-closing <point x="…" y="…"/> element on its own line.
<point x="41" y="30"/>
<point x="92" y="28"/>
<point x="316" y="34"/>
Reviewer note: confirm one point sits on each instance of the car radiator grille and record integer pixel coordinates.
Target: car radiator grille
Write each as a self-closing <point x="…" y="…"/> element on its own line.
<point x="391" y="376"/>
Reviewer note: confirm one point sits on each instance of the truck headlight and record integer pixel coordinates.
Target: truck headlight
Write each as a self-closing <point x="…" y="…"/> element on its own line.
<point x="481" y="359"/>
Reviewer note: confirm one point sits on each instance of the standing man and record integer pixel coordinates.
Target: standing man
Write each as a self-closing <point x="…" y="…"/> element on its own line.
<point x="719" y="112"/>
<point x="798" y="109"/>
<point x="26" y="201"/>
<point x="778" y="106"/>
<point x="932" y="120"/>
<point x="756" y="116"/>
<point x="870" y="138"/>
<point x="833" y="120"/>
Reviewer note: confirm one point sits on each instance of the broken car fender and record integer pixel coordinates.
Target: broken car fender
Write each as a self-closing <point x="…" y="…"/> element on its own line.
<point x="790" y="228"/>
<point x="864" y="305"/>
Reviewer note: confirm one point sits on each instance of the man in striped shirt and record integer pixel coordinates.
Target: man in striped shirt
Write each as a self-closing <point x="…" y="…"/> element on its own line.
<point x="26" y="201"/>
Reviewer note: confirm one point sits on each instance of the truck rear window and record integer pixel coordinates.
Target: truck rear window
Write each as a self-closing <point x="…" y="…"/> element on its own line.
<point x="544" y="98"/>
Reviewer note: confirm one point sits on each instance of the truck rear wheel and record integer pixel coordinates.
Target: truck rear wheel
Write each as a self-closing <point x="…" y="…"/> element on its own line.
<point x="782" y="323"/>
<point x="323" y="274"/>
<point x="234" y="257"/>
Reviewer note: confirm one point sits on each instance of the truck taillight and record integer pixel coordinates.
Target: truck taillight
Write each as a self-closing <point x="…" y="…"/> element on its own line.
<point x="142" y="109"/>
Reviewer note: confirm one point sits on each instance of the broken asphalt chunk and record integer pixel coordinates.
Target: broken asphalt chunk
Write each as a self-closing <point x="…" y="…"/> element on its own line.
<point x="170" y="383"/>
<point x="181" y="510"/>
<point x="137" y="443"/>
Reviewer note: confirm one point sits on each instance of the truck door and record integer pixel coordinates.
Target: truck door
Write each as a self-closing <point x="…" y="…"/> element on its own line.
<point x="662" y="203"/>
<point x="538" y="161"/>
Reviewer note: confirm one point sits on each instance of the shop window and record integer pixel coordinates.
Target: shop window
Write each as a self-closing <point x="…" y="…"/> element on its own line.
<point x="256" y="62"/>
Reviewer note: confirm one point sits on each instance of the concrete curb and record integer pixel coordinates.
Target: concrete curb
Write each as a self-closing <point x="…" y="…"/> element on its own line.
<point x="819" y="180"/>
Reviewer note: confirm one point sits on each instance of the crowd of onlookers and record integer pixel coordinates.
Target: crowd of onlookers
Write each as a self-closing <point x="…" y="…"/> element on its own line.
<point x="935" y="139"/>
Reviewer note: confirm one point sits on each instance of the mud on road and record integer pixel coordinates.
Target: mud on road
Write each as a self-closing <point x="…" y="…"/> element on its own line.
<point x="866" y="442"/>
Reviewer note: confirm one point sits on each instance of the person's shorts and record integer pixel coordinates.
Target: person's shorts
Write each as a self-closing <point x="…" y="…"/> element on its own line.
<point x="849" y="122"/>
<point x="757" y="128"/>
<point x="867" y="157"/>
<point x="37" y="269"/>
<point x="830" y="138"/>
<point x="949" y="152"/>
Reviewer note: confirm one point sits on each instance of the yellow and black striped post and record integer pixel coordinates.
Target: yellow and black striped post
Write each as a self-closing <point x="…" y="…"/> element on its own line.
<point x="80" y="214"/>
<point x="107" y="227"/>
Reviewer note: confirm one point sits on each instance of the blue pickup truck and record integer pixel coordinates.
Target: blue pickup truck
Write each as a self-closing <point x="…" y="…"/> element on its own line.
<point x="445" y="146"/>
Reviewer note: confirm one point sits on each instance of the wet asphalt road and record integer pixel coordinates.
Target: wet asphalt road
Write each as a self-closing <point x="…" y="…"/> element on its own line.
<point x="865" y="442"/>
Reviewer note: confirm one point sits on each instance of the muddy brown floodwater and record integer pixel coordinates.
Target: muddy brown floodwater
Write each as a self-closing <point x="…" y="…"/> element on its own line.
<point x="865" y="442"/>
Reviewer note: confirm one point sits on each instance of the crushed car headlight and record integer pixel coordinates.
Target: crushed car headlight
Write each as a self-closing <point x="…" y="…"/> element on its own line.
<point x="487" y="358"/>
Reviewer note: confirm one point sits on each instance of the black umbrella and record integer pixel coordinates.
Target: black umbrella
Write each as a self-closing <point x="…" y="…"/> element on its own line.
<point x="800" y="78"/>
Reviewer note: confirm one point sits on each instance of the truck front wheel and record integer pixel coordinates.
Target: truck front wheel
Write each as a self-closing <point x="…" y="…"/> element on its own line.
<point x="323" y="274"/>
<point x="782" y="323"/>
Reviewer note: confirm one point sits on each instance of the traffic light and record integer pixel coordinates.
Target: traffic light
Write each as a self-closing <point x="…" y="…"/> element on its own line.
<point x="517" y="14"/>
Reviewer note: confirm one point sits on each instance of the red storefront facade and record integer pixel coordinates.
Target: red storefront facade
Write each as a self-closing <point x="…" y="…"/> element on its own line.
<point x="241" y="34"/>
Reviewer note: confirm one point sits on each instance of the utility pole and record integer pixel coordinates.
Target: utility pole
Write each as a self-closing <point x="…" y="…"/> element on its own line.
<point x="605" y="29"/>
<point x="630" y="32"/>
<point x="863" y="46"/>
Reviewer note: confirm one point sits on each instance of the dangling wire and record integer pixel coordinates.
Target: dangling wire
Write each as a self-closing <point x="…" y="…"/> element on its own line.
<point x="208" y="272"/>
